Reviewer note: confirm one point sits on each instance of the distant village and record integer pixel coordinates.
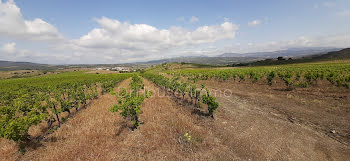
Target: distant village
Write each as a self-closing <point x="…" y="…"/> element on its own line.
<point x="120" y="69"/>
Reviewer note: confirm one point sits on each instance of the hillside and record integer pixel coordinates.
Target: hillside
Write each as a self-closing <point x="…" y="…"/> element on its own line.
<point x="10" y="66"/>
<point x="16" y="64"/>
<point x="334" y="55"/>
<point x="314" y="54"/>
<point x="342" y="54"/>
<point x="204" y="60"/>
<point x="237" y="58"/>
<point x="292" y="52"/>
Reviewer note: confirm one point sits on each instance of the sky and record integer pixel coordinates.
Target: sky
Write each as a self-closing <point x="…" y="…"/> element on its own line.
<point x="110" y="31"/>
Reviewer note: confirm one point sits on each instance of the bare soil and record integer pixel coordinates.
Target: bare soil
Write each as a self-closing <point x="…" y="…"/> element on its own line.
<point x="317" y="118"/>
<point x="323" y="107"/>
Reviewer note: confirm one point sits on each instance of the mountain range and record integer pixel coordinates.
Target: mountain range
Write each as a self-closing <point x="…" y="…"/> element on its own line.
<point x="222" y="59"/>
<point x="291" y="52"/>
<point x="232" y="58"/>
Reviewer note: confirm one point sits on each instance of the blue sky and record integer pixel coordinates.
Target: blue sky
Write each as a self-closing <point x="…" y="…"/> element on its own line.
<point x="251" y="25"/>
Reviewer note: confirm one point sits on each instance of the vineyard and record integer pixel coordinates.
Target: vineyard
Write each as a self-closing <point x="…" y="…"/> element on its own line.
<point x="130" y="102"/>
<point x="184" y="88"/>
<point x="30" y="101"/>
<point x="27" y="102"/>
<point x="295" y="75"/>
<point x="177" y="112"/>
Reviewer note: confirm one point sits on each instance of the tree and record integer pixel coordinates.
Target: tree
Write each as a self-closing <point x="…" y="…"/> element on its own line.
<point x="280" y="58"/>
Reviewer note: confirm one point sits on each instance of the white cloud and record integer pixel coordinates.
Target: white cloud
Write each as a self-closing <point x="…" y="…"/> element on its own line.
<point x="10" y="52"/>
<point x="254" y="23"/>
<point x="13" y="25"/>
<point x="194" y="19"/>
<point x="137" y="42"/>
<point x="337" y="41"/>
<point x="121" y="42"/>
<point x="93" y="55"/>
<point x="9" y="47"/>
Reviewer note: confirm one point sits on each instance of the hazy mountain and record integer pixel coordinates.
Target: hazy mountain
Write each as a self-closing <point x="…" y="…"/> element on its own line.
<point x="10" y="65"/>
<point x="16" y="64"/>
<point x="231" y="55"/>
<point x="334" y="55"/>
<point x="229" y="58"/>
<point x="292" y="52"/>
<point x="204" y="60"/>
<point x="341" y="54"/>
<point x="223" y="59"/>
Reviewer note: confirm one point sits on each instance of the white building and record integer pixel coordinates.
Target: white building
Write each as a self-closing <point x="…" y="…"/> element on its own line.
<point x="124" y="69"/>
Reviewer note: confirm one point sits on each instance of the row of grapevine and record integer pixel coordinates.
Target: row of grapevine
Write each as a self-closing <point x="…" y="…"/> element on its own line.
<point x="26" y="102"/>
<point x="129" y="103"/>
<point x="301" y="75"/>
<point x="183" y="88"/>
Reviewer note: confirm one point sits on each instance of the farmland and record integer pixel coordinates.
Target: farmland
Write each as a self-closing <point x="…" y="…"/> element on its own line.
<point x="27" y="102"/>
<point x="298" y="75"/>
<point x="181" y="111"/>
<point x="174" y="80"/>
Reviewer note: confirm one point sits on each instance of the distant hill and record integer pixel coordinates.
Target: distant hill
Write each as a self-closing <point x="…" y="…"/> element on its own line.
<point x="334" y="55"/>
<point x="237" y="58"/>
<point x="231" y="55"/>
<point x="10" y="65"/>
<point x="260" y="58"/>
<point x="292" y="52"/>
<point x="203" y="60"/>
<point x="341" y="54"/>
<point x="15" y="64"/>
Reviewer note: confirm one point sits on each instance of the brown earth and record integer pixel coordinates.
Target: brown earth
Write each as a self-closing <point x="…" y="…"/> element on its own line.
<point x="243" y="129"/>
<point x="19" y="73"/>
<point x="97" y="134"/>
<point x="316" y="118"/>
<point x="323" y="107"/>
<point x="79" y="138"/>
<point x="35" y="73"/>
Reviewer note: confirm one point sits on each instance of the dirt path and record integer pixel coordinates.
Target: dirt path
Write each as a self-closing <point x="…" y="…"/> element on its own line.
<point x="167" y="120"/>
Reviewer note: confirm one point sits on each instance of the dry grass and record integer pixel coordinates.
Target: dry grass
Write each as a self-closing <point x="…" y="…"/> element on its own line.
<point x="240" y="131"/>
<point x="91" y="130"/>
<point x="20" y="73"/>
<point x="162" y="135"/>
<point x="322" y="107"/>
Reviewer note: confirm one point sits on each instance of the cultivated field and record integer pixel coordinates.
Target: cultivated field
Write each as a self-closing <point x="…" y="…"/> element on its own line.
<point x="180" y="112"/>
